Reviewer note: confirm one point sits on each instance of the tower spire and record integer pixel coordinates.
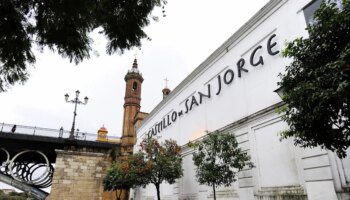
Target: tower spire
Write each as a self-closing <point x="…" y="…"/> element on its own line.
<point x="166" y="82"/>
<point x="166" y="91"/>
<point x="134" y="65"/>
<point x="132" y="105"/>
<point x="134" y="68"/>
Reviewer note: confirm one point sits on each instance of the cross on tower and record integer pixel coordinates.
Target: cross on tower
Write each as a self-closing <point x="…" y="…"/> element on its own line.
<point x="166" y="82"/>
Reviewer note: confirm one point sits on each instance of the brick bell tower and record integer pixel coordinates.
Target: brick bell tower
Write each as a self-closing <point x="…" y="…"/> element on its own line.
<point x="132" y="107"/>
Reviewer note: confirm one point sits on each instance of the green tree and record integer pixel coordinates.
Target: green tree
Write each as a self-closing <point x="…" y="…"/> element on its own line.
<point x="316" y="84"/>
<point x="218" y="160"/>
<point x="153" y="164"/>
<point x="125" y="174"/>
<point x="63" y="26"/>
<point x="163" y="161"/>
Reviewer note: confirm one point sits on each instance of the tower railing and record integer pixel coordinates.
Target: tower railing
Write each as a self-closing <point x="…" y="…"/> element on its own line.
<point x="49" y="132"/>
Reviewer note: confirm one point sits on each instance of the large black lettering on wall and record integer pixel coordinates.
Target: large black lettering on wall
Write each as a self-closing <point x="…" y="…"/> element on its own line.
<point x="252" y="57"/>
<point x="240" y="65"/>
<point x="271" y="45"/>
<point x="222" y="79"/>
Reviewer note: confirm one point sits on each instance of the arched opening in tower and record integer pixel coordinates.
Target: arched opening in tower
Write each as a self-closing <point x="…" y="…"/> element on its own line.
<point x="134" y="86"/>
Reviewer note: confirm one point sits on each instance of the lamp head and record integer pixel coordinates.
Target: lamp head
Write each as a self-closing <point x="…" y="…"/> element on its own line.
<point x="86" y="99"/>
<point x="66" y="96"/>
<point x="280" y="92"/>
<point x="77" y="92"/>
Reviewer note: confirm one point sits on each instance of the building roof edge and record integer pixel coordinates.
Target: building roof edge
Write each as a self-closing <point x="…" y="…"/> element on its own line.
<point x="238" y="34"/>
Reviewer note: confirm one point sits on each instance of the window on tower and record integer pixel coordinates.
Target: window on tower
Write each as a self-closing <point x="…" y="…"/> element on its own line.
<point x="134" y="86"/>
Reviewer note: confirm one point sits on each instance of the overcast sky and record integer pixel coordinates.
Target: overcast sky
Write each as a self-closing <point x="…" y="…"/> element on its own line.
<point x="190" y="32"/>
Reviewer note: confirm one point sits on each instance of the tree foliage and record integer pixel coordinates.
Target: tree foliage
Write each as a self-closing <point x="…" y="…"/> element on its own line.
<point x="218" y="160"/>
<point x="153" y="164"/>
<point x="63" y="26"/>
<point x="125" y="174"/>
<point x="163" y="161"/>
<point x="316" y="84"/>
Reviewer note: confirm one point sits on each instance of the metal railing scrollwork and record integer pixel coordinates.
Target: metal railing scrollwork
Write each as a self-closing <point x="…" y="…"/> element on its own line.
<point x="36" y="174"/>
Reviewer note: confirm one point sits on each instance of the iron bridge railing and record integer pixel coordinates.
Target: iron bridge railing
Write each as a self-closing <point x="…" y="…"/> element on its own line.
<point x="49" y="132"/>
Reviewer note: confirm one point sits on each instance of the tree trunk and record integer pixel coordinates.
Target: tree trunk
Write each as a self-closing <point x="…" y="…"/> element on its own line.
<point x="158" y="191"/>
<point x="126" y="196"/>
<point x="214" y="191"/>
<point x="118" y="194"/>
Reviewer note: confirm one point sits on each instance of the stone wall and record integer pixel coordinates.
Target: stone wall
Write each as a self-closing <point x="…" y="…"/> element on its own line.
<point x="79" y="175"/>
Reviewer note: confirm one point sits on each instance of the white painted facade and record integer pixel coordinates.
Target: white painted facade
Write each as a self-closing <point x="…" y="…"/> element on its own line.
<point x="246" y="107"/>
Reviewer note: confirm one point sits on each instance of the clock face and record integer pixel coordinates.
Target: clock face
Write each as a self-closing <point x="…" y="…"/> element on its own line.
<point x="102" y="135"/>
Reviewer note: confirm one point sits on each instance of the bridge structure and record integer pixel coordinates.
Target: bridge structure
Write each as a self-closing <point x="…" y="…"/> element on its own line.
<point x="34" y="158"/>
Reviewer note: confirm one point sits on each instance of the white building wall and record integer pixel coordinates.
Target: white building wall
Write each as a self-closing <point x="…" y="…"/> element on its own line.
<point x="245" y="107"/>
